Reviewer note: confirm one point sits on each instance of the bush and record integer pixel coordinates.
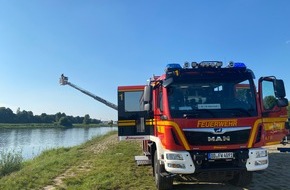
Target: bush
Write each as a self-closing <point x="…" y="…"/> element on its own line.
<point x="10" y="162"/>
<point x="64" y="121"/>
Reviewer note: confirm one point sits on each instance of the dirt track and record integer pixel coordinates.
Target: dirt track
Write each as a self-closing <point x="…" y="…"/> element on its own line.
<point x="275" y="177"/>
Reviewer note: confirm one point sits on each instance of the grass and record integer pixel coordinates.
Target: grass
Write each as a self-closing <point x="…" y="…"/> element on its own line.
<point x="45" y="125"/>
<point x="38" y="172"/>
<point x="94" y="125"/>
<point x="10" y="162"/>
<point x="114" y="168"/>
<point x="28" y="125"/>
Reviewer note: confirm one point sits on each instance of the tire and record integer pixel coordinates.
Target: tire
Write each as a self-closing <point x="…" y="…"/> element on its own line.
<point x="162" y="183"/>
<point x="242" y="179"/>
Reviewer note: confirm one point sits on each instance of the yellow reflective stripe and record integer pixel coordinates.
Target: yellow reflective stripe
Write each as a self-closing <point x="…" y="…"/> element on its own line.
<point x="254" y="132"/>
<point x="273" y="143"/>
<point x="177" y="128"/>
<point x="125" y="121"/>
<point x="130" y="123"/>
<point x="149" y="122"/>
<point x="160" y="129"/>
<point x="275" y="119"/>
<point x="126" y="125"/>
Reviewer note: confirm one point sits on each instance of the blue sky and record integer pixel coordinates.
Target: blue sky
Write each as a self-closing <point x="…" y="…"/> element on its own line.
<point x="103" y="44"/>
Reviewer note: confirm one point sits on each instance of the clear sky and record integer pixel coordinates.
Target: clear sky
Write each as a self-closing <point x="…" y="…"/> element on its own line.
<point x="101" y="44"/>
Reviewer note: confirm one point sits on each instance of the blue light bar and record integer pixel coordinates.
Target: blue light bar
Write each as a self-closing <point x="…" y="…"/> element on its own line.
<point x="239" y="65"/>
<point x="173" y="66"/>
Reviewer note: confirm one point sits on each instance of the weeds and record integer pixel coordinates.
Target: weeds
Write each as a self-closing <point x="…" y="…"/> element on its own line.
<point x="10" y="162"/>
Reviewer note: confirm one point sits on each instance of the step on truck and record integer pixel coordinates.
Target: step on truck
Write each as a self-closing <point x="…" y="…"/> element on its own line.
<point x="202" y="121"/>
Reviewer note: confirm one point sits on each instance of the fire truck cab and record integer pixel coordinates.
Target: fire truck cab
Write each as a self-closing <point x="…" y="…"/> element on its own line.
<point x="204" y="122"/>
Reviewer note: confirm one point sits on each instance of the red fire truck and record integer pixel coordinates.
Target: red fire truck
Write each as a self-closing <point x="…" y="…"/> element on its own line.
<point x="204" y="122"/>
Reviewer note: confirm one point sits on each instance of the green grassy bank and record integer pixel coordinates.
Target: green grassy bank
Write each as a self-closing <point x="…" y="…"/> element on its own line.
<point x="45" y="125"/>
<point x="27" y="125"/>
<point x="102" y="163"/>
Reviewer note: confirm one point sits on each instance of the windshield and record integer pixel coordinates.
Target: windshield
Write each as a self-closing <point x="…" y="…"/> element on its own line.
<point x="212" y="98"/>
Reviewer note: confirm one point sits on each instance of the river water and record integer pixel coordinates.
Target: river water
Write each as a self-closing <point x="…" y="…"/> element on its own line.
<point x="31" y="142"/>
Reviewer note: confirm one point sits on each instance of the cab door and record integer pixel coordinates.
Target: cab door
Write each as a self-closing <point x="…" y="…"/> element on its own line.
<point x="133" y="121"/>
<point x="273" y="105"/>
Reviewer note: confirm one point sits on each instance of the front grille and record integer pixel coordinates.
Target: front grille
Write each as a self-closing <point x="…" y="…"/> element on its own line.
<point x="209" y="138"/>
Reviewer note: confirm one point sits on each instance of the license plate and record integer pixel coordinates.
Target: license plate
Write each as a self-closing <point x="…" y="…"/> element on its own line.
<point x="220" y="155"/>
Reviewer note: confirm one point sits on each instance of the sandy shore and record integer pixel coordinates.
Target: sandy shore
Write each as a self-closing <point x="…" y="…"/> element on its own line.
<point x="275" y="177"/>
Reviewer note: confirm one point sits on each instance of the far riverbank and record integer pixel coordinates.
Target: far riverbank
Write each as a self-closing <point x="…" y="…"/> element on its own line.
<point x="48" y="125"/>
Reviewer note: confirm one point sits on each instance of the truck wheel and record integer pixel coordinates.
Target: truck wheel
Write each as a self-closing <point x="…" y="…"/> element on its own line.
<point x="242" y="179"/>
<point x="162" y="183"/>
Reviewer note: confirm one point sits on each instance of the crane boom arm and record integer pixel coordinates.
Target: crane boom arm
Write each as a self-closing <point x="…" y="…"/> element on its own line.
<point x="64" y="81"/>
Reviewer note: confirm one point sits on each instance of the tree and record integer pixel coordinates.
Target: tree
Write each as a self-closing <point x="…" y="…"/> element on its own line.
<point x="87" y="119"/>
<point x="58" y="116"/>
<point x="79" y="119"/>
<point x="96" y="121"/>
<point x="6" y="115"/>
<point x="24" y="116"/>
<point x="47" y="118"/>
<point x="64" y="121"/>
<point x="111" y="122"/>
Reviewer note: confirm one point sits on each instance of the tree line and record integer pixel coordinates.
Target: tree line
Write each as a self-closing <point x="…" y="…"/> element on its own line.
<point x="8" y="116"/>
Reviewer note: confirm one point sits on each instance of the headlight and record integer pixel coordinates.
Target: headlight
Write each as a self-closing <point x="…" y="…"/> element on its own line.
<point x="261" y="153"/>
<point x="172" y="156"/>
<point x="261" y="162"/>
<point x="182" y="166"/>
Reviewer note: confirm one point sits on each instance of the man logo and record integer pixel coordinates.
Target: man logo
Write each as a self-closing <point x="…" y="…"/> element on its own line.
<point x="219" y="139"/>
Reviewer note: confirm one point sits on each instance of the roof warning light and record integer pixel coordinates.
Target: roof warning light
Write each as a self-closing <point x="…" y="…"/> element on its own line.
<point x="237" y="65"/>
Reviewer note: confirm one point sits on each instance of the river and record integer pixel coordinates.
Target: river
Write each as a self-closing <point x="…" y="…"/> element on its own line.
<point x="31" y="142"/>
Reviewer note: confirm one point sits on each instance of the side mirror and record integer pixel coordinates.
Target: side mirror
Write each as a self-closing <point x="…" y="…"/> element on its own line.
<point x="279" y="88"/>
<point x="280" y="93"/>
<point x="283" y="102"/>
<point x="147" y="97"/>
<point x="147" y="94"/>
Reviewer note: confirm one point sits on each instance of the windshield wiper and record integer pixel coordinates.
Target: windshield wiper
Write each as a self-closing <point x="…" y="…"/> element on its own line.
<point x="241" y="110"/>
<point x="197" y="113"/>
<point x="190" y="115"/>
